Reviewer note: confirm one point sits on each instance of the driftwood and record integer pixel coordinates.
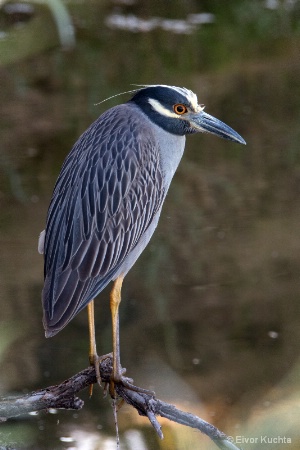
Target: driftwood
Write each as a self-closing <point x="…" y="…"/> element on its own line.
<point x="63" y="396"/>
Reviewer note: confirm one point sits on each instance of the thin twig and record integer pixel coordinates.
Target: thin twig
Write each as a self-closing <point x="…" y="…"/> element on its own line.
<point x="63" y="396"/>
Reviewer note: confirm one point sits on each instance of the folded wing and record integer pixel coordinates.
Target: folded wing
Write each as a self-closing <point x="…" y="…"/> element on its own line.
<point x="107" y="194"/>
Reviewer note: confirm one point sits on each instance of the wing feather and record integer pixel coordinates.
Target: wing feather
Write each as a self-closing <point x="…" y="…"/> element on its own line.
<point x="107" y="194"/>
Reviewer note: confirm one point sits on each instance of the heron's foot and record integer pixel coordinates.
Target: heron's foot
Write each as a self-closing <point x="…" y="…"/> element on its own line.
<point x="95" y="360"/>
<point x="120" y="379"/>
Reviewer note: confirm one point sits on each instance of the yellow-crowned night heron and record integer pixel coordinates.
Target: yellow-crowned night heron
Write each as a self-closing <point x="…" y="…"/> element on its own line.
<point x="107" y="202"/>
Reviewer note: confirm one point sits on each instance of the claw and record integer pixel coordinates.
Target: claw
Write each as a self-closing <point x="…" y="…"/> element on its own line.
<point x="128" y="384"/>
<point x="95" y="361"/>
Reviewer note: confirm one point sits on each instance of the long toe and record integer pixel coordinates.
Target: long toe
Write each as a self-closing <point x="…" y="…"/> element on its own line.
<point x="96" y="362"/>
<point x="128" y="384"/>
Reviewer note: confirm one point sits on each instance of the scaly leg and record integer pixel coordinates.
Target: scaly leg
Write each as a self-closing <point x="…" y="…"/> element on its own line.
<point x="115" y="300"/>
<point x="93" y="356"/>
<point x="118" y="372"/>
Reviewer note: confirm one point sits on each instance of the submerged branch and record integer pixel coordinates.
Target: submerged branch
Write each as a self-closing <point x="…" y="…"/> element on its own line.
<point x="63" y="396"/>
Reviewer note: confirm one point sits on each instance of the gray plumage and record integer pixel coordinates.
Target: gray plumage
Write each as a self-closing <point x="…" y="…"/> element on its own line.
<point x="108" y="198"/>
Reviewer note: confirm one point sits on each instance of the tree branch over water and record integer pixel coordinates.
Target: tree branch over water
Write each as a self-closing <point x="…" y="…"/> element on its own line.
<point x="64" y="396"/>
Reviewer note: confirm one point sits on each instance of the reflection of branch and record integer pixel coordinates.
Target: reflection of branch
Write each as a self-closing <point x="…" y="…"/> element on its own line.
<point x="63" y="396"/>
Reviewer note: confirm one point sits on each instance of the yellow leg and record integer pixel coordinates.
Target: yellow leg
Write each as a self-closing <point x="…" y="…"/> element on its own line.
<point x="94" y="359"/>
<point x="91" y="319"/>
<point x="118" y="372"/>
<point x="115" y="299"/>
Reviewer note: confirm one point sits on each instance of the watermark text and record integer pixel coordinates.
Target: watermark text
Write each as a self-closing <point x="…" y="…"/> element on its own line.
<point x="264" y="439"/>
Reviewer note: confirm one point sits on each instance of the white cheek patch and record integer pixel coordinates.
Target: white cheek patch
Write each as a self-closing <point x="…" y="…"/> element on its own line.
<point x="158" y="107"/>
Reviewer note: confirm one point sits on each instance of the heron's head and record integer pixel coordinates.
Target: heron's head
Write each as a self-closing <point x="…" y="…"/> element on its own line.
<point x="177" y="111"/>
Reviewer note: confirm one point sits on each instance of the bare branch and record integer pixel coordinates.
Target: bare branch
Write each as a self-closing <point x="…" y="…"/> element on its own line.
<point x="63" y="396"/>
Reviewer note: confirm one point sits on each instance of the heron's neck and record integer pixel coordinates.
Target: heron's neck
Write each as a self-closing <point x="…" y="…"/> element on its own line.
<point x="171" y="151"/>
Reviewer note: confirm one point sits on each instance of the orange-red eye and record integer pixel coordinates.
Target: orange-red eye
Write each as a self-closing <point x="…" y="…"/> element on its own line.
<point x="180" y="109"/>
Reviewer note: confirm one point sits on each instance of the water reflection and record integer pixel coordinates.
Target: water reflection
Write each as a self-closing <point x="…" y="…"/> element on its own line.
<point x="137" y="25"/>
<point x="31" y="28"/>
<point x="210" y="317"/>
